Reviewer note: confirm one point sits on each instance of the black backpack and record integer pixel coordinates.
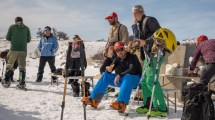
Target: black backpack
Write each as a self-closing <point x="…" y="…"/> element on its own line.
<point x="198" y="104"/>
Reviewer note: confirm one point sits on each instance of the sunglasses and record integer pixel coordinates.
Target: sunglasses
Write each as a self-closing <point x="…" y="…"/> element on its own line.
<point x="119" y="50"/>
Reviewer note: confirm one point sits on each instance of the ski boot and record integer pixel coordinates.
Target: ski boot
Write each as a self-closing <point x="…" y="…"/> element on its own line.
<point x="70" y="81"/>
<point x="155" y="113"/>
<point x="90" y="101"/>
<point x="21" y="84"/>
<point x="39" y="78"/>
<point x="6" y="81"/>
<point x="144" y="109"/>
<point x="11" y="76"/>
<point x="76" y="88"/>
<point x="54" y="79"/>
<point x="120" y="106"/>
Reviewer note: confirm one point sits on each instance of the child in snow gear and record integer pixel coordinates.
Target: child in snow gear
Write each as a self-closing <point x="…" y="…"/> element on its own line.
<point x="198" y="104"/>
<point x="206" y="50"/>
<point x="47" y="47"/>
<point x="127" y="75"/>
<point x="73" y="64"/>
<point x="164" y="42"/>
<point x="19" y="35"/>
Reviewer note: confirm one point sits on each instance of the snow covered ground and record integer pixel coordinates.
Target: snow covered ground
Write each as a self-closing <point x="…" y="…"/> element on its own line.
<point x="43" y="101"/>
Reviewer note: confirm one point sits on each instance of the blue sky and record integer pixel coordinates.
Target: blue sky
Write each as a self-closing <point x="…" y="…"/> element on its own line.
<point x="186" y="18"/>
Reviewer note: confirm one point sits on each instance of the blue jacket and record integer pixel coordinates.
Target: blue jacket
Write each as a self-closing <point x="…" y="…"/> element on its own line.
<point x="48" y="47"/>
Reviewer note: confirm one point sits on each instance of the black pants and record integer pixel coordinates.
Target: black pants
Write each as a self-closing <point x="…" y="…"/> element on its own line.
<point x="74" y="66"/>
<point x="51" y="62"/>
<point x="208" y="72"/>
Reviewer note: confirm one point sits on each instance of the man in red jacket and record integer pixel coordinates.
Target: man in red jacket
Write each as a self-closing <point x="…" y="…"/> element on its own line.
<point x="206" y="49"/>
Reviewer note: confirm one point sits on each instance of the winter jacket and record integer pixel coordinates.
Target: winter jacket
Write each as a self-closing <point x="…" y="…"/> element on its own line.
<point x="120" y="33"/>
<point x="129" y="65"/>
<point x="48" y="47"/>
<point x="69" y="56"/>
<point x="19" y="35"/>
<point x="146" y="32"/>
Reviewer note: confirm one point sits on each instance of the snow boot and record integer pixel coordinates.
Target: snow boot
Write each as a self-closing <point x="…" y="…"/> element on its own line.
<point x="70" y="81"/>
<point x="90" y="101"/>
<point x="76" y="88"/>
<point x="21" y="84"/>
<point x="11" y="76"/>
<point x="87" y="90"/>
<point x="54" y="79"/>
<point x="120" y="106"/>
<point x="155" y="113"/>
<point x="39" y="78"/>
<point x="144" y="109"/>
<point x="6" y="81"/>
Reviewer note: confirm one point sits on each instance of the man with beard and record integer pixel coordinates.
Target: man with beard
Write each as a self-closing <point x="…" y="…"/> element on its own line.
<point x="118" y="32"/>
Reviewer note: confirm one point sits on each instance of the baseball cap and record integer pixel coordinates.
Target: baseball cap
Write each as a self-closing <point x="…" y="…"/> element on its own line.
<point x="118" y="45"/>
<point x="202" y="38"/>
<point x="111" y="16"/>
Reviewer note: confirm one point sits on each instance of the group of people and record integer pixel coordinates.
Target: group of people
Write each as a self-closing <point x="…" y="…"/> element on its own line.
<point x="151" y="43"/>
<point x="19" y="35"/>
<point x="149" y="39"/>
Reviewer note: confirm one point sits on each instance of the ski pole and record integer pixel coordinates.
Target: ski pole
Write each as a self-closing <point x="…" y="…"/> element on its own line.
<point x="82" y="57"/>
<point x="64" y="95"/>
<point x="136" y="91"/>
<point x="155" y="81"/>
<point x="84" y="94"/>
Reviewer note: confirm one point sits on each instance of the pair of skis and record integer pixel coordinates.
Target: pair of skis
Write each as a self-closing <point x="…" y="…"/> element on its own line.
<point x="82" y="60"/>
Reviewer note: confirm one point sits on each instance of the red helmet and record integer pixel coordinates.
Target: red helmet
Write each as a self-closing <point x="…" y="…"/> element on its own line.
<point x="118" y="45"/>
<point x="202" y="38"/>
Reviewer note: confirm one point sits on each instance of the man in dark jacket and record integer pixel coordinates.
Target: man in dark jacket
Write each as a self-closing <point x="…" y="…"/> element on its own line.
<point x="47" y="47"/>
<point x="144" y="28"/>
<point x="18" y="35"/>
<point x="127" y="75"/>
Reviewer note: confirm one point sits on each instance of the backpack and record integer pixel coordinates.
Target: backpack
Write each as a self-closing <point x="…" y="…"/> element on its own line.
<point x="198" y="104"/>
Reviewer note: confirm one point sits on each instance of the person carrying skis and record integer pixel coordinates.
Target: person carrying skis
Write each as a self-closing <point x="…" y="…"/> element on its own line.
<point x="47" y="47"/>
<point x="206" y="49"/>
<point x="18" y="35"/>
<point x="127" y="75"/>
<point x="73" y="64"/>
<point x="118" y="32"/>
<point x="3" y="55"/>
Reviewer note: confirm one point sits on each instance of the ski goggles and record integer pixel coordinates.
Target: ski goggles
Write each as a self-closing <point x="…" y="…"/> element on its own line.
<point x="120" y="50"/>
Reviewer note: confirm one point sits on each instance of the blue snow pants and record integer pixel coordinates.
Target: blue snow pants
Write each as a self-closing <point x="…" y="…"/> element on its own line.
<point x="126" y="84"/>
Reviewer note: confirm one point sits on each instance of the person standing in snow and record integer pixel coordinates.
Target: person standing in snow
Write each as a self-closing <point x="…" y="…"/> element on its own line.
<point x="18" y="35"/>
<point x="143" y="29"/>
<point x="118" y="32"/>
<point x="73" y="63"/>
<point x="127" y="75"/>
<point x="206" y="49"/>
<point x="47" y="47"/>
